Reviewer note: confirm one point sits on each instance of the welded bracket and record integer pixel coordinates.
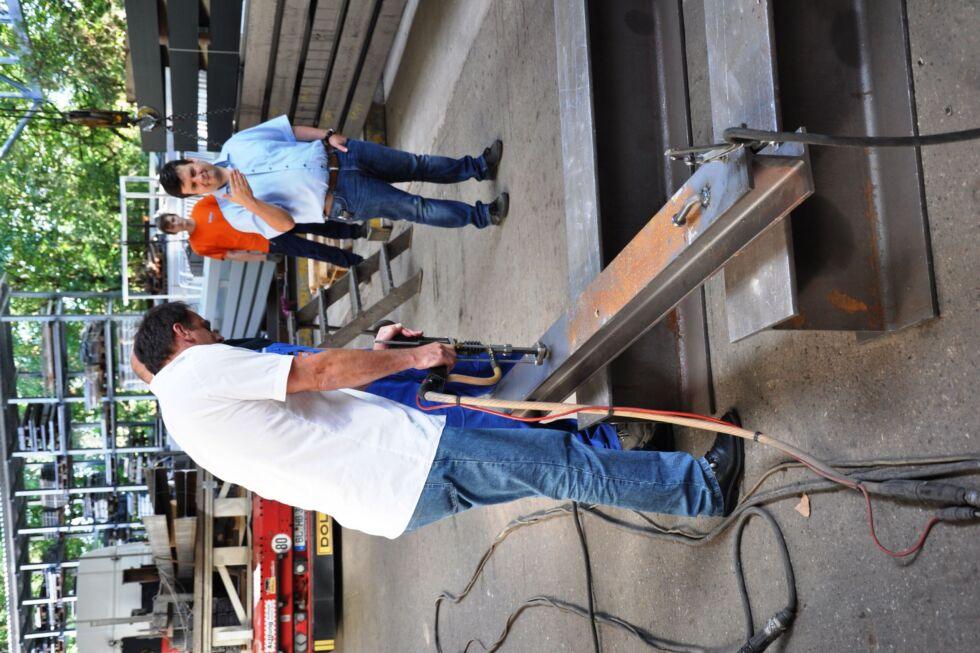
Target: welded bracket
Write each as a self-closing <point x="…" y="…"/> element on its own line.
<point x="663" y="263"/>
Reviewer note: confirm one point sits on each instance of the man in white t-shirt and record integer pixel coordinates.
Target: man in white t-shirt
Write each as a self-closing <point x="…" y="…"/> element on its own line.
<point x="299" y="431"/>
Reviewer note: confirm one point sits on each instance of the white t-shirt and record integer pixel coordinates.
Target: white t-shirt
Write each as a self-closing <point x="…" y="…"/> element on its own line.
<point x="360" y="458"/>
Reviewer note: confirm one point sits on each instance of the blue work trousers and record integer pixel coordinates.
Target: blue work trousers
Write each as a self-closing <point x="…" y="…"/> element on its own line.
<point x="486" y="466"/>
<point x="364" y="189"/>
<point x="402" y="387"/>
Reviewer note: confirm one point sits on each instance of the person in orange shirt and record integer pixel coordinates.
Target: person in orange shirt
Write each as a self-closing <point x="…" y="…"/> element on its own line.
<point x="211" y="235"/>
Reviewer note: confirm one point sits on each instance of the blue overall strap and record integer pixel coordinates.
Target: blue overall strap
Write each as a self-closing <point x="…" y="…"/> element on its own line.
<point x="287" y="349"/>
<point x="468" y="368"/>
<point x="401" y="387"/>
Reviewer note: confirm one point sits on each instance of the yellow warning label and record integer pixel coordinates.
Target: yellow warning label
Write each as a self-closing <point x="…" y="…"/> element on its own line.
<point x="323" y="645"/>
<point x="324" y="541"/>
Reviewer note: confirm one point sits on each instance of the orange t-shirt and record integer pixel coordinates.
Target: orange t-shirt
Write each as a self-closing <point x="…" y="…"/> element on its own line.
<point x="214" y="237"/>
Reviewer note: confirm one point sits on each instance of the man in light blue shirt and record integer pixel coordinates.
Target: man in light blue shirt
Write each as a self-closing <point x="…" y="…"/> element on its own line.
<point x="271" y="176"/>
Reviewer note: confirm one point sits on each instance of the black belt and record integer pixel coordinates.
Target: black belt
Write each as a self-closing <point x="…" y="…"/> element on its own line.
<point x="333" y="171"/>
<point x="333" y="167"/>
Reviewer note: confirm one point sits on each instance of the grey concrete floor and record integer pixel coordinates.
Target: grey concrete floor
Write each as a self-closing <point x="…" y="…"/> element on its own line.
<point x="478" y="69"/>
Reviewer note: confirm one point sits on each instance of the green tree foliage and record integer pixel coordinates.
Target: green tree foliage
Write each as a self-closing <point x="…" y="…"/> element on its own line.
<point x="59" y="184"/>
<point x="78" y="48"/>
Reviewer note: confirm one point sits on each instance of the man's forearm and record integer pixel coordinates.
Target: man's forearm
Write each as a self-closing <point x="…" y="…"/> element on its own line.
<point x="332" y="369"/>
<point x="304" y="133"/>
<point x="276" y="217"/>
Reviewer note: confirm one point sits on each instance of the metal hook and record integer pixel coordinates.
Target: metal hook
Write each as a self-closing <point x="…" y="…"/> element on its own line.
<point x="700" y="155"/>
<point x="680" y="218"/>
<point x="701" y="198"/>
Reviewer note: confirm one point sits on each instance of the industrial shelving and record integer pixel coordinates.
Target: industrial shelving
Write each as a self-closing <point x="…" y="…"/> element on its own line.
<point x="79" y="434"/>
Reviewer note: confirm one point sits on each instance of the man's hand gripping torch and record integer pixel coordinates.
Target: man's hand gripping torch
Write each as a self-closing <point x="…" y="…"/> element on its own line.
<point x="469" y="350"/>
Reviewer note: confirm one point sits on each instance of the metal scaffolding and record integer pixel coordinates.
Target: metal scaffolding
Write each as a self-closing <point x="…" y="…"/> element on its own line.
<point x="65" y="477"/>
<point x="11" y="18"/>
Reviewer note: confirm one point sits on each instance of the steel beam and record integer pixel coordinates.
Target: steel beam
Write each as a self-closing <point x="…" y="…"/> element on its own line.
<point x="261" y="32"/>
<point x="387" y="18"/>
<point x="622" y="92"/>
<point x="293" y="25"/>
<point x="185" y="534"/>
<point x="861" y="244"/>
<point x="319" y="60"/>
<point x="578" y="147"/>
<point x="576" y="110"/>
<point x="21" y="124"/>
<point x="744" y="195"/>
<point x="354" y="38"/>
<point x="760" y="285"/>
<point x="11" y="15"/>
<point x="638" y="62"/>
<point x="183" y="52"/>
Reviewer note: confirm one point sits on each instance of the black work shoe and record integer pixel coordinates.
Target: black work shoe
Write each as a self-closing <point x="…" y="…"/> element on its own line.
<point x="726" y="458"/>
<point x="492" y="156"/>
<point x="499" y="208"/>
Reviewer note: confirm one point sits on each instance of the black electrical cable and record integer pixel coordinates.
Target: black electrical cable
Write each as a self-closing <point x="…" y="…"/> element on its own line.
<point x="745" y="135"/>
<point x="530" y="519"/>
<point x="813" y="486"/>
<point x="740" y="573"/>
<point x="515" y="524"/>
<point x="606" y="619"/>
<point x="610" y="620"/>
<point x="589" y="587"/>
<point x="868" y="463"/>
<point x="880" y="469"/>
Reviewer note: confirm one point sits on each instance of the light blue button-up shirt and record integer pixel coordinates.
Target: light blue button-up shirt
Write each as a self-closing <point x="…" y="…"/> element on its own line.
<point x="281" y="171"/>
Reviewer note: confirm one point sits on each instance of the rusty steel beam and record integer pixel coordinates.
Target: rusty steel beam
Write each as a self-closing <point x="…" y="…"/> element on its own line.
<point x="617" y="118"/>
<point x="862" y="252"/>
<point x="734" y="200"/>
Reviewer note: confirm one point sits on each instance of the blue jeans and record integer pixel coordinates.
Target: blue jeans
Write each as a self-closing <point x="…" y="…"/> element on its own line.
<point x="329" y="229"/>
<point x="291" y="244"/>
<point x="364" y="189"/>
<point x="482" y="467"/>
